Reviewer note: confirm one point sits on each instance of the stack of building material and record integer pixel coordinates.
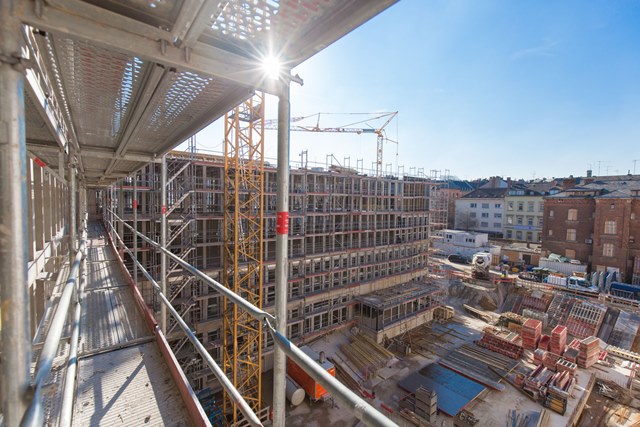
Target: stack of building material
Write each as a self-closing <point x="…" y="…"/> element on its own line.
<point x="511" y="321"/>
<point x="564" y="365"/>
<point x="501" y="341"/>
<point x="538" y="355"/>
<point x="544" y="342"/>
<point x="531" y="332"/>
<point x="572" y="351"/>
<point x="558" y="392"/>
<point x="559" y="309"/>
<point x="585" y="318"/>
<point x="426" y="404"/>
<point x="549" y="360"/>
<point x="558" y="339"/>
<point x="366" y="354"/>
<point x="589" y="352"/>
<point x="538" y="315"/>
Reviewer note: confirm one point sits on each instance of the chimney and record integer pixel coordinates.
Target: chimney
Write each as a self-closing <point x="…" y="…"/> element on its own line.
<point x="589" y="173"/>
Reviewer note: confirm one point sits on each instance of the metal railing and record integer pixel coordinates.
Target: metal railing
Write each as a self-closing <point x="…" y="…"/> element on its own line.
<point x="34" y="415"/>
<point x="360" y="408"/>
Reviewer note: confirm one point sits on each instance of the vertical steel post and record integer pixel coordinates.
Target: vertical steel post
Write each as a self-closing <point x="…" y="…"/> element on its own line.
<point x="135" y="227"/>
<point x="282" y="267"/>
<point x="16" y="340"/>
<point x="163" y="243"/>
<point x="120" y="227"/>
<point x="73" y="224"/>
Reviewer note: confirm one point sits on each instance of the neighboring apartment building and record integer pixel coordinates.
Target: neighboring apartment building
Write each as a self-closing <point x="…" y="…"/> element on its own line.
<point x="597" y="223"/>
<point x="455" y="189"/>
<point x="481" y="210"/>
<point x="524" y="210"/>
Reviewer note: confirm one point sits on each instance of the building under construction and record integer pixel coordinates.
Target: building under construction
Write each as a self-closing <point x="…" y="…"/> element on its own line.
<point x="350" y="235"/>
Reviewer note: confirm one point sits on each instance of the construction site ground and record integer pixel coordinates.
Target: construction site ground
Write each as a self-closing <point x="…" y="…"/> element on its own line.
<point x="431" y="342"/>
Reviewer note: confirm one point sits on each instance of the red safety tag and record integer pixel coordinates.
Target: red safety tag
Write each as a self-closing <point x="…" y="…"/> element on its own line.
<point x="39" y="162"/>
<point x="135" y="204"/>
<point x="282" y="223"/>
<point x="164" y="210"/>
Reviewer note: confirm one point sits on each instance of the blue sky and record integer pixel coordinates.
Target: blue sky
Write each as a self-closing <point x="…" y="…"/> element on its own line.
<point x="520" y="89"/>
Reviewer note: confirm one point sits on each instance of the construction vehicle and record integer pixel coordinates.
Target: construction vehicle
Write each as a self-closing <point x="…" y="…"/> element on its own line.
<point x="572" y="282"/>
<point x="480" y="264"/>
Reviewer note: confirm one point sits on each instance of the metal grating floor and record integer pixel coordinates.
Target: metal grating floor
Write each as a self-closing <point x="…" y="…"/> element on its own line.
<point x="128" y="387"/>
<point x="122" y="377"/>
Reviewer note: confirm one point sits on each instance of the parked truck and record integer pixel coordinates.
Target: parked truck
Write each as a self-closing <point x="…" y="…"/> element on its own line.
<point x="572" y="282"/>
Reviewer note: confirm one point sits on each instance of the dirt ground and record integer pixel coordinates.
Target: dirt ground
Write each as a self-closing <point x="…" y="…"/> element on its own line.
<point x="491" y="407"/>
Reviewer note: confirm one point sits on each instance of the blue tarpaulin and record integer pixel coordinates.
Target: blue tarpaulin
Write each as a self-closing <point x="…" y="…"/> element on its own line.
<point x="454" y="391"/>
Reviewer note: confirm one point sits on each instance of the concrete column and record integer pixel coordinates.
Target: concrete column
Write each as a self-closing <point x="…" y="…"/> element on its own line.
<point x="15" y="376"/>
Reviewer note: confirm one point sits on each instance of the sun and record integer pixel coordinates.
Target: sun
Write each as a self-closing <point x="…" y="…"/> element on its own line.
<point x="272" y="67"/>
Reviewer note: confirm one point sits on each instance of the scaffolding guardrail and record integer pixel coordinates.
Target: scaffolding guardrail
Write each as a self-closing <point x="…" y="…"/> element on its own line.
<point x="35" y="412"/>
<point x="360" y="408"/>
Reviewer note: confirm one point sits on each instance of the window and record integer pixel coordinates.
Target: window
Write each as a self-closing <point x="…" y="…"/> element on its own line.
<point x="485" y="215"/>
<point x="497" y="225"/>
<point x="550" y="213"/>
<point x="540" y="222"/>
<point x="484" y="224"/>
<point x="519" y="220"/>
<point x="609" y="227"/>
<point x="519" y="235"/>
<point x="510" y="206"/>
<point x="485" y="206"/>
<point x="529" y="236"/>
<point x="509" y="234"/>
<point x="520" y="206"/>
<point x="472" y="214"/>
<point x="572" y="215"/>
<point x="550" y="232"/>
<point x="498" y="205"/>
<point x="607" y="249"/>
<point x="497" y="215"/>
<point x="530" y="221"/>
<point x="509" y="219"/>
<point x="541" y="207"/>
<point x="473" y="205"/>
<point x="530" y="206"/>
<point x="571" y="234"/>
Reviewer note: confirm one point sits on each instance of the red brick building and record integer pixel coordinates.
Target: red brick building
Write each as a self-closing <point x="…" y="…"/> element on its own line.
<point x="597" y="223"/>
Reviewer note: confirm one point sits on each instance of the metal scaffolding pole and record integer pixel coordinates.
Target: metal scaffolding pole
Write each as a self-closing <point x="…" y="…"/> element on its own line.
<point x="163" y="242"/>
<point x="16" y="338"/>
<point x="135" y="227"/>
<point x="282" y="235"/>
<point x="73" y="226"/>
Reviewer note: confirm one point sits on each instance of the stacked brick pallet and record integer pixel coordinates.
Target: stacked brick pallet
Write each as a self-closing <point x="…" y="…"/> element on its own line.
<point x="549" y="360"/>
<point x="544" y="342"/>
<point x="503" y="342"/>
<point x="558" y="339"/>
<point x="531" y="332"/>
<point x="589" y="352"/>
<point x="571" y="353"/>
<point x="538" y="355"/>
<point x="564" y="365"/>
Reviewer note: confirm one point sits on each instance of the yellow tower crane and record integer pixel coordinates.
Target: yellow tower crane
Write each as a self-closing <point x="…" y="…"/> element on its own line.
<point x="349" y="128"/>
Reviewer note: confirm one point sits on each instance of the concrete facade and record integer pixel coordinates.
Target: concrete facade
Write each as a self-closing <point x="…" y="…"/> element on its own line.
<point x="482" y="210"/>
<point x="523" y="217"/>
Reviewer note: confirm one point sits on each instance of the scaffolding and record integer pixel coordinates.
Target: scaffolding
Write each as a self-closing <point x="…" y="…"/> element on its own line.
<point x="243" y="248"/>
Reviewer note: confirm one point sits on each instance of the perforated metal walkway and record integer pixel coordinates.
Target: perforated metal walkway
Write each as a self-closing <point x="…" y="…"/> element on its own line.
<point x="122" y="377"/>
